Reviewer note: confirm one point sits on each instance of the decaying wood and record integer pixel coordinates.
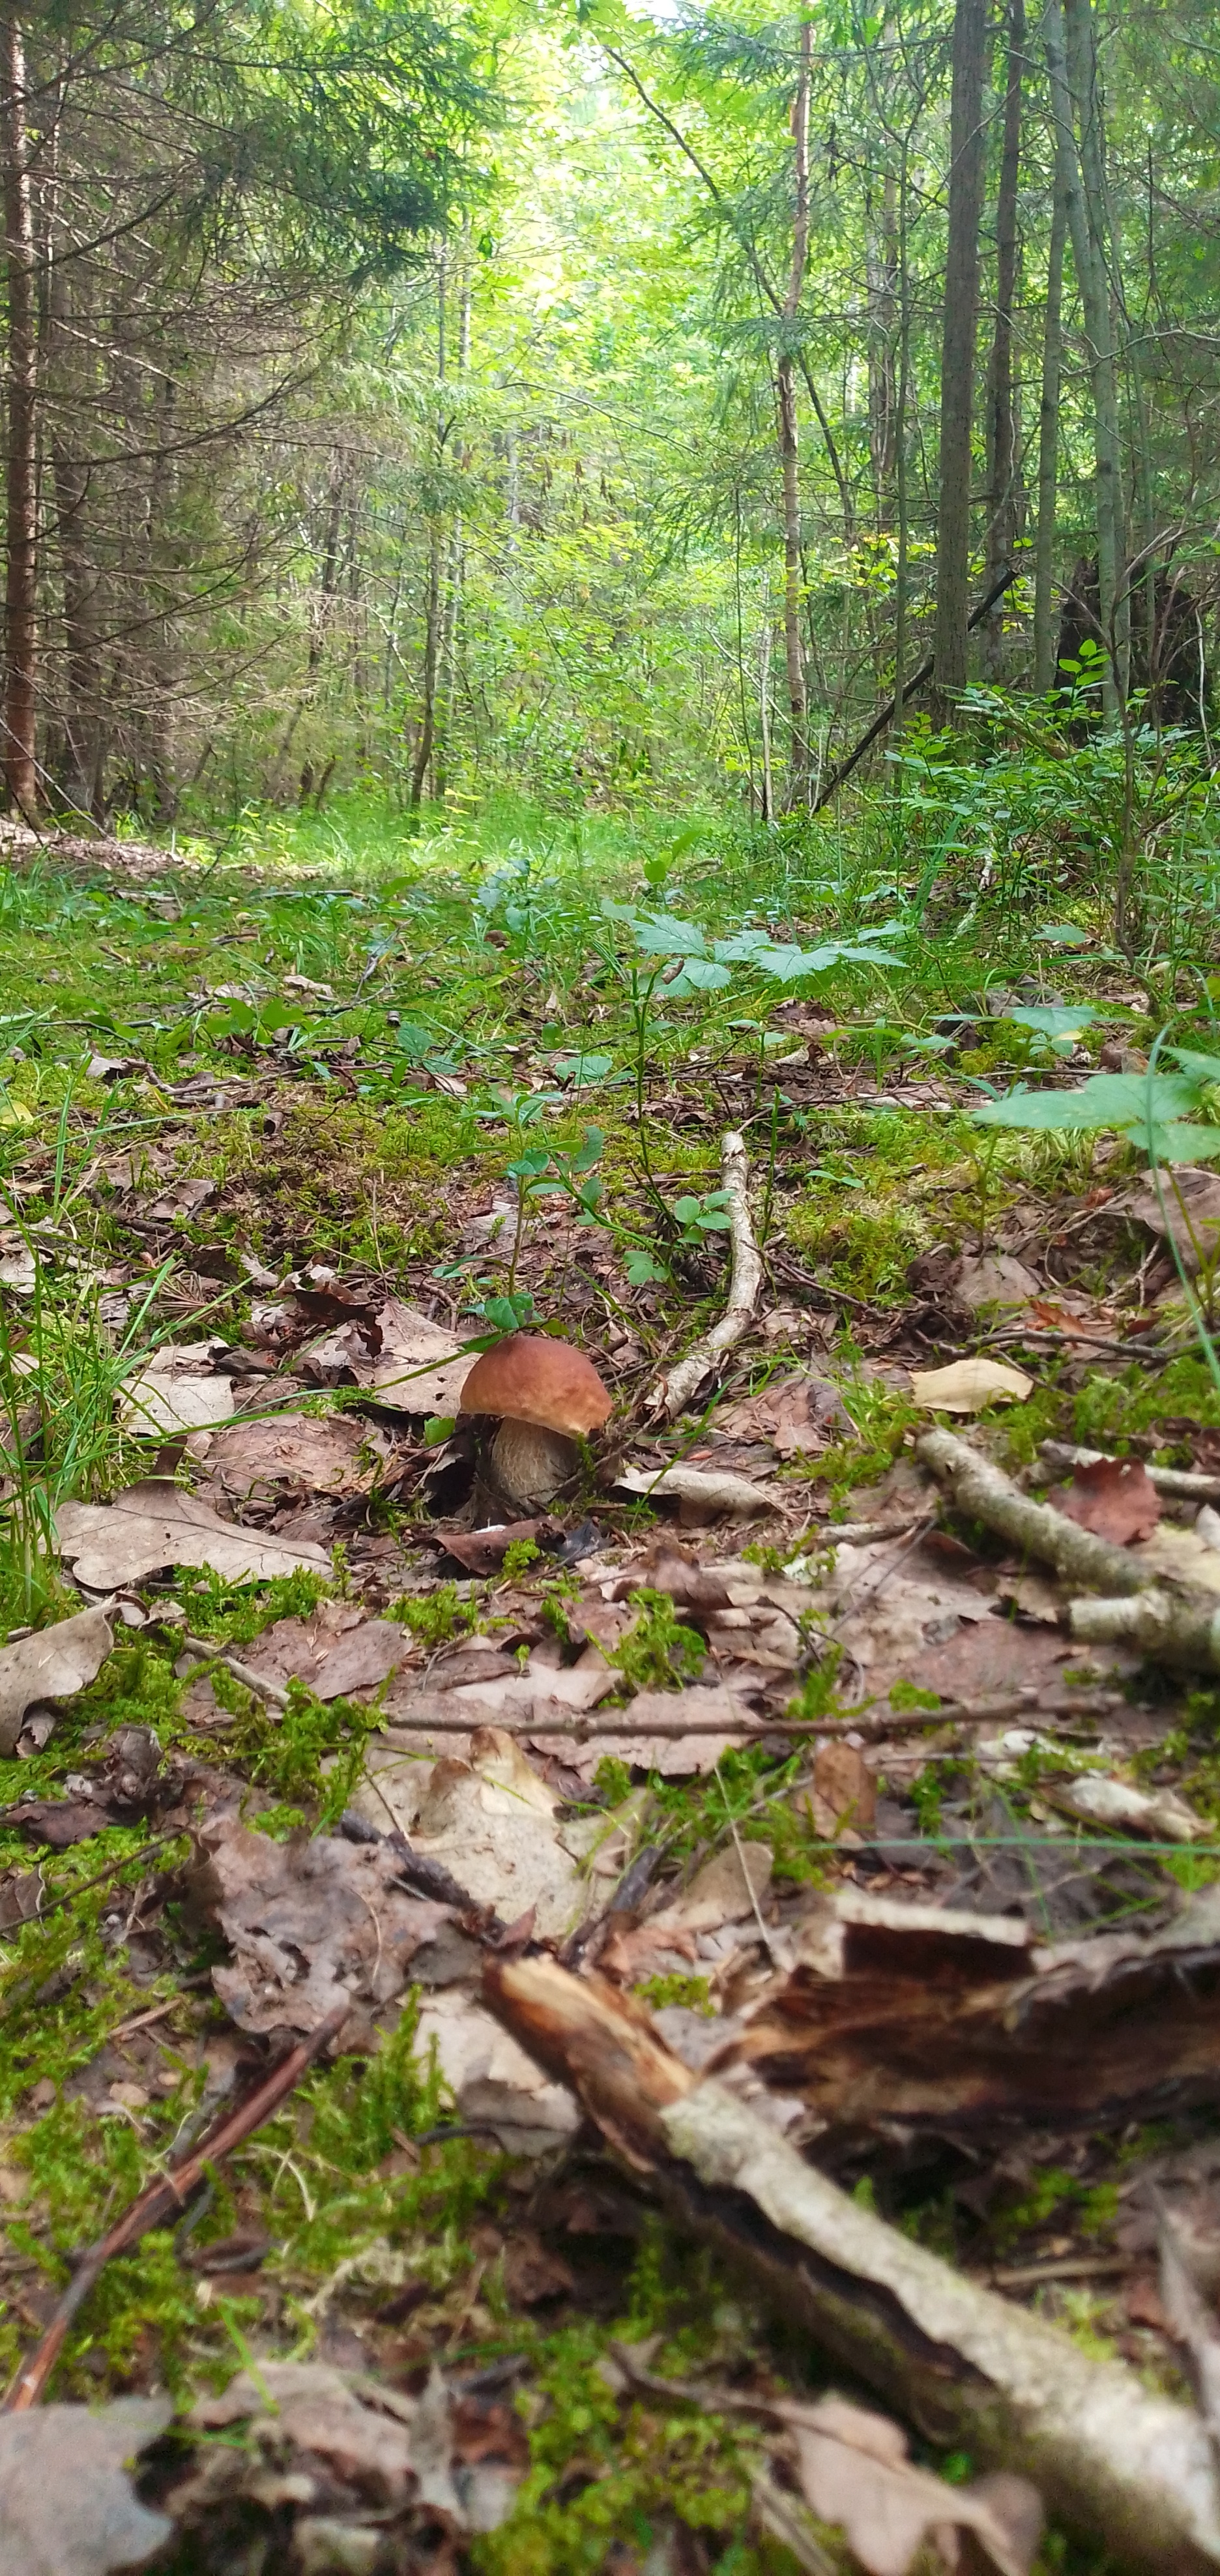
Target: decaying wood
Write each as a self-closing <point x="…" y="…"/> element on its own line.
<point x="164" y="2198"/>
<point x="1129" y="2469"/>
<point x="922" y="2016"/>
<point x="986" y="1494"/>
<point x="1171" y="1631"/>
<point x="676" y="1387"/>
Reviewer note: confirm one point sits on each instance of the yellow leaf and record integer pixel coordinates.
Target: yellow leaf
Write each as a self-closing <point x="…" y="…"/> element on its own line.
<point x="969" y="1386"/>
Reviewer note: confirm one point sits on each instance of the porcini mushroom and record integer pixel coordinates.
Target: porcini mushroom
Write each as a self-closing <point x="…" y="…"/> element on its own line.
<point x="548" y="1396"/>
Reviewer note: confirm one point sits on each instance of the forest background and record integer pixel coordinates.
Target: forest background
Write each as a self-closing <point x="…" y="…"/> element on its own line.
<point x="609" y="408"/>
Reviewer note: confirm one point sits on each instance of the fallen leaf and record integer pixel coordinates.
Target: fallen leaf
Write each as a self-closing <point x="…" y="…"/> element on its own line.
<point x="483" y="1551"/>
<point x="493" y="2081"/>
<point x="21" y="1895"/>
<point x="705" y="1493"/>
<point x="1186" y="1212"/>
<point x="410" y="1363"/>
<point x="492" y="1821"/>
<point x="1186" y="1554"/>
<point x="532" y="2274"/>
<point x="854" y="2470"/>
<point x="66" y="2501"/>
<point x="796" y="1414"/>
<point x="334" y="1668"/>
<point x="53" y="1664"/>
<point x="969" y="1386"/>
<point x="674" y="1757"/>
<point x="156" y="1524"/>
<point x="1113" y="1802"/>
<point x="308" y="1922"/>
<point x="177" y="1391"/>
<point x="18" y="1268"/>
<point x="844" y="1790"/>
<point x="980" y="1280"/>
<point x="1114" y="1498"/>
<point x="396" y="2451"/>
<point x="113" y="1068"/>
<point x="726" y="1890"/>
<point x="181" y="1201"/>
<point x="332" y="1454"/>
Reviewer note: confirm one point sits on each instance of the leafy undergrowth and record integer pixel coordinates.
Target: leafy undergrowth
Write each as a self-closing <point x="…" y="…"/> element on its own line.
<point x="260" y="1096"/>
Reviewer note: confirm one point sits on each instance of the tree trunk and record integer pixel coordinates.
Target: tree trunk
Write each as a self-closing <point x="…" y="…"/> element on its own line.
<point x="21" y="583"/>
<point x="798" y="703"/>
<point x="881" y="258"/>
<point x="1002" y="462"/>
<point x="957" y="353"/>
<point x="1045" y="621"/>
<point x="1076" y="71"/>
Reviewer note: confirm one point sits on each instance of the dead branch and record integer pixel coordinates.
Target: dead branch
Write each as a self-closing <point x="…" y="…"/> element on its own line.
<point x="676" y="1387"/>
<point x="164" y="2198"/>
<point x="1181" y="1632"/>
<point x="986" y="1494"/>
<point x="259" y="1683"/>
<point x="870" y="1723"/>
<point x="1132" y="2470"/>
<point x="1062" y="1457"/>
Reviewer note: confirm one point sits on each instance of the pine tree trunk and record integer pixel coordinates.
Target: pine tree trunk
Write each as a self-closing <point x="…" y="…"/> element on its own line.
<point x="21" y="582"/>
<point x="1045" y="622"/>
<point x="1075" y="71"/>
<point x="957" y="354"/>
<point x="1002" y="458"/>
<point x="798" y="702"/>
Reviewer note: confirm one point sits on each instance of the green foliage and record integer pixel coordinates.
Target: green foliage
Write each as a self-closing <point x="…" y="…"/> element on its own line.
<point x="234" y="1614"/>
<point x="658" y="1652"/>
<point x="434" y="1618"/>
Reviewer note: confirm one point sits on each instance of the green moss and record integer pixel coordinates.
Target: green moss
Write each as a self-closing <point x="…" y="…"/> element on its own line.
<point x="657" y="1652"/>
<point x="434" y="1618"/>
<point x="693" y="1992"/>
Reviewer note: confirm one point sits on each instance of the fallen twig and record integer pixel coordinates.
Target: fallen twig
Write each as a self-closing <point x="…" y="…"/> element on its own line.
<point x="676" y="1386"/>
<point x="869" y="1723"/>
<point x="164" y="2198"/>
<point x="1185" y="1632"/>
<point x="243" y="1673"/>
<point x="1133" y="2470"/>
<point x="1061" y="1456"/>
<point x="986" y="1494"/>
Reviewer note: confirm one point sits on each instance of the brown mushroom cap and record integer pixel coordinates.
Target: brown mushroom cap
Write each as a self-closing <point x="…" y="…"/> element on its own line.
<point x="530" y="1378"/>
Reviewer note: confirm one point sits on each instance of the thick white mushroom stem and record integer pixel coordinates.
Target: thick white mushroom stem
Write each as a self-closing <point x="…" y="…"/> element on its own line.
<point x="675" y="1388"/>
<point x="531" y="1464"/>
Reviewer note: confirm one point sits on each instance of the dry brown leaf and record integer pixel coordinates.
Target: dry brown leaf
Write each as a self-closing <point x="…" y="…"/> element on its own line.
<point x="1114" y="1498"/>
<point x="396" y="2451"/>
<point x="309" y="1922"/>
<point x="854" y="2470"/>
<point x="969" y="1386"/>
<point x="796" y="1414"/>
<point x="1187" y="1211"/>
<point x="725" y="1890"/>
<point x="493" y="1823"/>
<point x="990" y="1279"/>
<point x="704" y="1493"/>
<point x="674" y="1757"/>
<point x="410" y="1363"/>
<point x="844" y="1790"/>
<point x="156" y="1524"/>
<point x="66" y="2501"/>
<point x="492" y="2079"/>
<point x="53" y="1664"/>
<point x="334" y="1667"/>
<point x="177" y="1391"/>
<point x="332" y="1454"/>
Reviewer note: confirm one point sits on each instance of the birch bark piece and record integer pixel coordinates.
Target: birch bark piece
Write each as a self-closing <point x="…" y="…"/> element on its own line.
<point x="675" y="1388"/>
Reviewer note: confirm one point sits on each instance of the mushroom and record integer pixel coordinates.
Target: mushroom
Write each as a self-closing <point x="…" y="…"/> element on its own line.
<point x="547" y="1395"/>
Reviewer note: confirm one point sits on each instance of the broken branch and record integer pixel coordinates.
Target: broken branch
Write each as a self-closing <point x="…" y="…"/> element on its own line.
<point x="986" y="1494"/>
<point x="164" y="2198"/>
<point x="1184" y="1632"/>
<point x="1131" y="2469"/>
<point x="676" y="1387"/>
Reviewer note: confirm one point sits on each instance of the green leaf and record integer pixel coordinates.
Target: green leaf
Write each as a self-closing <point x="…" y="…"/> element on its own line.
<point x="1125" y="1101"/>
<point x="1202" y="1068"/>
<point x="663" y="936"/>
<point x="641" y="1269"/>
<point x="1175" y="1144"/>
<point x="1063" y="934"/>
<point x="698" y="975"/>
<point x="1056" y="1021"/>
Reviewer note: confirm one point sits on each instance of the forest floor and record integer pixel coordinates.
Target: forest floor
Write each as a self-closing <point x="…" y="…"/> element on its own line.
<point x="280" y="1142"/>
